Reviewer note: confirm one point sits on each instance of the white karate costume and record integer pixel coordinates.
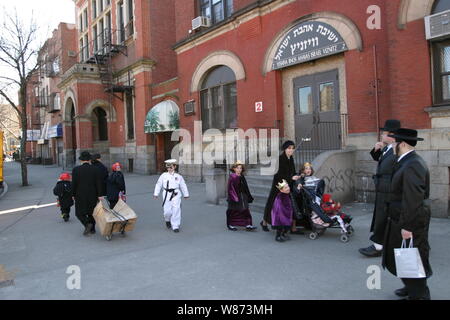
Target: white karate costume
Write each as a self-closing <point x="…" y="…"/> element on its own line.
<point x="172" y="204"/>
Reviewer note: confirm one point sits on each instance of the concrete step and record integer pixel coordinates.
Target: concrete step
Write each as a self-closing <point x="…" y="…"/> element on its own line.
<point x="259" y="180"/>
<point x="259" y="188"/>
<point x="260" y="197"/>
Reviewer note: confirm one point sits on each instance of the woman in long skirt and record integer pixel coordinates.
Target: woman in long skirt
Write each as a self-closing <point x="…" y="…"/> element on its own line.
<point x="239" y="196"/>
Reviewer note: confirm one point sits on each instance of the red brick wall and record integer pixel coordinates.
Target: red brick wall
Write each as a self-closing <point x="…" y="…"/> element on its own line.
<point x="162" y="18"/>
<point x="404" y="84"/>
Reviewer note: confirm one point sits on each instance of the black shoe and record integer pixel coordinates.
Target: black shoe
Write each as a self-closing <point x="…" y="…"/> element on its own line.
<point x="370" y="252"/>
<point x="401" y="292"/>
<point x="265" y="228"/>
<point x="168" y="225"/>
<point x="232" y="228"/>
<point x="250" y="228"/>
<point x="280" y="239"/>
<point x="285" y="236"/>
<point x="93" y="229"/>
<point x="65" y="217"/>
<point x="87" y="229"/>
<point x="176" y="230"/>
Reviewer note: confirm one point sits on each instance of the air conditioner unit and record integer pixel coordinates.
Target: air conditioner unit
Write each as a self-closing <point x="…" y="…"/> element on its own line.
<point x="200" y="22"/>
<point x="437" y="25"/>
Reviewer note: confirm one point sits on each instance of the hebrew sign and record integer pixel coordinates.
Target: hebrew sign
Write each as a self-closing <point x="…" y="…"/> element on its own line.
<point x="308" y="41"/>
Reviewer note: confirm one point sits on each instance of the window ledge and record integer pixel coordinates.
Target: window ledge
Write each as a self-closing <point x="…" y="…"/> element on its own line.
<point x="438" y="111"/>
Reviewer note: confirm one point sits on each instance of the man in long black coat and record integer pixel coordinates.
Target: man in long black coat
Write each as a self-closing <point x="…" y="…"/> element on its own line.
<point x="102" y="170"/>
<point x="384" y="154"/>
<point x="87" y="190"/>
<point x="409" y="212"/>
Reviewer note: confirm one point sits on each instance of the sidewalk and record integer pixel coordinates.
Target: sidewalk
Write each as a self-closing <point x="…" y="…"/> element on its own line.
<point x="203" y="261"/>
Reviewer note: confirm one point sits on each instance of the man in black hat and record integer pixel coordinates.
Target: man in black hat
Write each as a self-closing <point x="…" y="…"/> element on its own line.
<point x="87" y="190"/>
<point x="384" y="154"/>
<point x="409" y="212"/>
<point x="102" y="171"/>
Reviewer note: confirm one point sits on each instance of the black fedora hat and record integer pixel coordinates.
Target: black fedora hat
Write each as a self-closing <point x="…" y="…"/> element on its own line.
<point x="85" y="156"/>
<point x="407" y="135"/>
<point x="391" y="125"/>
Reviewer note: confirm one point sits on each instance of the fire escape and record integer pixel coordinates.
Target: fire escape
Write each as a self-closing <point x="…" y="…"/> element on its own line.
<point x="105" y="47"/>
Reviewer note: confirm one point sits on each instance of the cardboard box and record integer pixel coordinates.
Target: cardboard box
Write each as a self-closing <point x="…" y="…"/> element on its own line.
<point x="110" y="221"/>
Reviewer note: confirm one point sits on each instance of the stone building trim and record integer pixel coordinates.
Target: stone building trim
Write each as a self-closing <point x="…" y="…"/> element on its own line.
<point x="69" y="94"/>
<point x="411" y="10"/>
<point x="226" y="58"/>
<point x="109" y="109"/>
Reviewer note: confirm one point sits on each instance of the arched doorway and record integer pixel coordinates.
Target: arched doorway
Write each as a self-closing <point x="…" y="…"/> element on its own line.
<point x="99" y="124"/>
<point x="73" y="132"/>
<point x="163" y="120"/>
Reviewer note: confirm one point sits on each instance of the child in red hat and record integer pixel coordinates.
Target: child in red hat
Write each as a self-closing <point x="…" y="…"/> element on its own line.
<point x="63" y="190"/>
<point x="333" y="210"/>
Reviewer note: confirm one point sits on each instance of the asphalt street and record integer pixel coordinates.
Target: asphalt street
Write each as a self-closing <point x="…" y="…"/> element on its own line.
<point x="203" y="261"/>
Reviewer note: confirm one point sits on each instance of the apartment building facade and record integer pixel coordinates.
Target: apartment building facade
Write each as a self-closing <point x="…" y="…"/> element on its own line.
<point x="45" y="123"/>
<point x="125" y="68"/>
<point x="312" y="69"/>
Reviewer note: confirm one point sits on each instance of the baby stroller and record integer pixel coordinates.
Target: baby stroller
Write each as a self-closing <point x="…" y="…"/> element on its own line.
<point x="317" y="220"/>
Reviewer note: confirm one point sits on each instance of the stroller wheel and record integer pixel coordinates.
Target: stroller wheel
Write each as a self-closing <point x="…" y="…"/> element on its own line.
<point x="313" y="235"/>
<point x="350" y="231"/>
<point x="344" y="238"/>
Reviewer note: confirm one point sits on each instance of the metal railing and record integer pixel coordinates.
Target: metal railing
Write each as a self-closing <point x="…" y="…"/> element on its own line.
<point x="40" y="101"/>
<point x="106" y="42"/>
<point x="324" y="136"/>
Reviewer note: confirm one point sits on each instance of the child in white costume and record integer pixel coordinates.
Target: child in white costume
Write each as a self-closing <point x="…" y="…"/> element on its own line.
<point x="172" y="185"/>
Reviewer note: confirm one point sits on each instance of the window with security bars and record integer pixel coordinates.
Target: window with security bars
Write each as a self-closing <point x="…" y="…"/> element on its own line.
<point x="218" y="99"/>
<point x="441" y="61"/>
<point x="441" y="66"/>
<point x="216" y="10"/>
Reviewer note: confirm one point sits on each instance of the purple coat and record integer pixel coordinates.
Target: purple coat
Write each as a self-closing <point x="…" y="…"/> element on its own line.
<point x="282" y="210"/>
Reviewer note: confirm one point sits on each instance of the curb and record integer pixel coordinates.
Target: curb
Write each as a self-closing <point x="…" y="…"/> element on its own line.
<point x="5" y="189"/>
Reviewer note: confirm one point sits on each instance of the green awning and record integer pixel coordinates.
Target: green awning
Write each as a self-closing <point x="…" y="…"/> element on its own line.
<point x="163" y="117"/>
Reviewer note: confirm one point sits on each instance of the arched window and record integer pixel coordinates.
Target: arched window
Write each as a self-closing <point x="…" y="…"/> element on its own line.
<point x="441" y="61"/>
<point x="218" y="98"/>
<point x="100" y="125"/>
<point x="440" y="5"/>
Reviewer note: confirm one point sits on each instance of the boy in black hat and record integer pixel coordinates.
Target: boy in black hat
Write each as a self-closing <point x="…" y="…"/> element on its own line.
<point x="409" y="212"/>
<point x="383" y="153"/>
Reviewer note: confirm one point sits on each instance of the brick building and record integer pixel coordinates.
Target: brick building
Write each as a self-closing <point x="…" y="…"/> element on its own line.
<point x="333" y="69"/>
<point x="324" y="73"/>
<point x="44" y="108"/>
<point x="125" y="67"/>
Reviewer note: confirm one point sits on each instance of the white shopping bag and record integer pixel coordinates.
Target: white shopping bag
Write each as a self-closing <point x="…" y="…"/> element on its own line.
<point x="408" y="261"/>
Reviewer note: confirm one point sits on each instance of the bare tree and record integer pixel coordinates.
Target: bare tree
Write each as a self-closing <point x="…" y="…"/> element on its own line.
<point x="18" y="57"/>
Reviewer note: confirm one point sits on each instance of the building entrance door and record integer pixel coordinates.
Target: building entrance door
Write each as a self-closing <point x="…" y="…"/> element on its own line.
<point x="317" y="114"/>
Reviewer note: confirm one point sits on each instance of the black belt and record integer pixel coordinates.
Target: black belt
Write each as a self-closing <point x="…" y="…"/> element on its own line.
<point x="172" y="191"/>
